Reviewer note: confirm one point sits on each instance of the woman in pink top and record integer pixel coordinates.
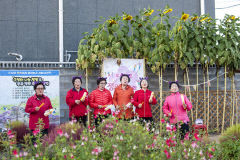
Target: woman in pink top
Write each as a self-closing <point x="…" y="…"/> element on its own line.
<point x="176" y="106"/>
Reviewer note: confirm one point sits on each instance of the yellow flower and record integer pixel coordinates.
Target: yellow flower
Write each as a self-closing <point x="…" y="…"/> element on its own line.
<point x="149" y="13"/>
<point x="127" y="17"/>
<point x="233" y="17"/>
<point x="168" y="11"/>
<point x="184" y="17"/>
<point x="194" y="18"/>
<point x="112" y="21"/>
<point x="179" y="28"/>
<point x="203" y="19"/>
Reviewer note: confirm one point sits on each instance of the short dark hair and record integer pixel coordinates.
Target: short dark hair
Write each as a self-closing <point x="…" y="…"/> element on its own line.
<point x="176" y="82"/>
<point x="101" y="79"/>
<point x="125" y="75"/>
<point x="74" y="78"/>
<point x="37" y="84"/>
<point x="141" y="82"/>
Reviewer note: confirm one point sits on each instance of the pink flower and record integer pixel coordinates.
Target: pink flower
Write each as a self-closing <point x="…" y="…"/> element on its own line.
<point x="194" y="144"/>
<point x="14" y="152"/>
<point x="72" y="156"/>
<point x="167" y="154"/>
<point x="66" y="135"/>
<point x="9" y="132"/>
<point x="11" y="136"/>
<point x="122" y="131"/>
<point x="116" y="121"/>
<point x="213" y="149"/>
<point x="35" y="145"/>
<point x="170" y="142"/>
<point x="129" y="154"/>
<point x="115" y="153"/>
<point x="168" y="127"/>
<point x="96" y="151"/>
<point x="163" y="120"/>
<point x="35" y="132"/>
<point x="196" y="137"/>
<point x="60" y="132"/>
<point x="37" y="155"/>
<point x="210" y="155"/>
<point x="186" y="136"/>
<point x="25" y="153"/>
<point x="65" y="156"/>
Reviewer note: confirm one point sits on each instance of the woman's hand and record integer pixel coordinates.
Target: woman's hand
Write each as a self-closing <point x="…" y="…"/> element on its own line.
<point x="77" y="101"/>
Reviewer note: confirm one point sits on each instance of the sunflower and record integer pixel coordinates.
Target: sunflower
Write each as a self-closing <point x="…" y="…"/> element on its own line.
<point x="233" y="17"/>
<point x="194" y="18"/>
<point x="149" y="12"/>
<point x="168" y="11"/>
<point x="184" y="17"/>
<point x="179" y="28"/>
<point x="112" y="21"/>
<point x="127" y="17"/>
<point x="203" y="19"/>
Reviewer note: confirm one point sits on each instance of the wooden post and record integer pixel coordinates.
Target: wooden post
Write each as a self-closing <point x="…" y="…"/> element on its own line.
<point x="224" y="104"/>
<point x="217" y="102"/>
<point x="197" y="95"/>
<point x="190" y="93"/>
<point x="208" y="99"/>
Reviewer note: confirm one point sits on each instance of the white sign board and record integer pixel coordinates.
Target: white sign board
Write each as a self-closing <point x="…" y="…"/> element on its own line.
<point x="113" y="71"/>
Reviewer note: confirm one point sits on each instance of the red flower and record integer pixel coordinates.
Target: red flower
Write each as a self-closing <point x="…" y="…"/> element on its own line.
<point x="116" y="121"/>
<point x="35" y="132"/>
<point x="170" y="142"/>
<point x="213" y="149"/>
<point x="167" y="154"/>
<point x="14" y="152"/>
<point x="9" y="132"/>
<point x="163" y="120"/>
<point x="186" y="136"/>
<point x="60" y="132"/>
<point x="196" y="137"/>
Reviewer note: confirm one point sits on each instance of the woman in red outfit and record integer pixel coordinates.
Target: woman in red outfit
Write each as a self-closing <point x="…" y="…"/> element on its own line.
<point x="99" y="99"/>
<point x="77" y="101"/>
<point x="143" y="99"/>
<point x="36" y="106"/>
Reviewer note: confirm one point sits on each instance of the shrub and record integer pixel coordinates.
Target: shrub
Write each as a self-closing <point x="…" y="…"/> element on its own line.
<point x="20" y="129"/>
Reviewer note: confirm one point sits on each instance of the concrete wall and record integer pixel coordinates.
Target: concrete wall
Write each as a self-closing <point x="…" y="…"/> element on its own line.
<point x="30" y="27"/>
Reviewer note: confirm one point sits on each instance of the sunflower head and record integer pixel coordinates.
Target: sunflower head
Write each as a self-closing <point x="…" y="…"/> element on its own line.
<point x="179" y="28"/>
<point x="149" y="12"/>
<point x="194" y="18"/>
<point x="127" y="17"/>
<point x="112" y="21"/>
<point x="233" y="17"/>
<point x="184" y="16"/>
<point x="168" y="11"/>
<point x="204" y="19"/>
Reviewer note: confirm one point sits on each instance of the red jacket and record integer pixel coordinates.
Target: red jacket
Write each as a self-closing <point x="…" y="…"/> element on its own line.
<point x="98" y="97"/>
<point x="34" y="102"/>
<point x="80" y="109"/>
<point x="121" y="98"/>
<point x="143" y="97"/>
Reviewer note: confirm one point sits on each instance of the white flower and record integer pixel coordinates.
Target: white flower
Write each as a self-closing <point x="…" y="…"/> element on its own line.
<point x="121" y="138"/>
<point x="64" y="150"/>
<point x="134" y="147"/>
<point x="73" y="131"/>
<point x="82" y="144"/>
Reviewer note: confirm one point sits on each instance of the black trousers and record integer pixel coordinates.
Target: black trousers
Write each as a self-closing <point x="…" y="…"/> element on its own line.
<point x="145" y="120"/>
<point x="81" y="119"/>
<point x="99" y="119"/>
<point x="183" y="130"/>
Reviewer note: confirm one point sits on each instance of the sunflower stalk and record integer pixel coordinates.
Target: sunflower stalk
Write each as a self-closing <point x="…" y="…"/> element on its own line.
<point x="204" y="97"/>
<point x="197" y="94"/>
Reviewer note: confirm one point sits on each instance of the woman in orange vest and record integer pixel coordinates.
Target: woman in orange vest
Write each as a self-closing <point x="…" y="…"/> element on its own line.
<point x="122" y="98"/>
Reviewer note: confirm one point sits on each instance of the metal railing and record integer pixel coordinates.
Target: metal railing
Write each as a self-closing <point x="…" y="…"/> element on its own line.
<point x="47" y="65"/>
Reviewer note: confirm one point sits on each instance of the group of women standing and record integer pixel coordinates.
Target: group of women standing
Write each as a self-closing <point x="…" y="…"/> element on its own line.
<point x="124" y="99"/>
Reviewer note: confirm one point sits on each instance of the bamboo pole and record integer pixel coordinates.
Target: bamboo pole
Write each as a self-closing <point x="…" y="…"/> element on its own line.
<point x="204" y="98"/>
<point x="217" y="102"/>
<point x="161" y="99"/>
<point x="237" y="115"/>
<point x="197" y="94"/>
<point x="184" y="81"/>
<point x="225" y="92"/>
<point x="89" y="114"/>
<point x="208" y="99"/>
<point x="176" y="73"/>
<point x="233" y="114"/>
<point x="231" y="110"/>
<point x="189" y="92"/>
